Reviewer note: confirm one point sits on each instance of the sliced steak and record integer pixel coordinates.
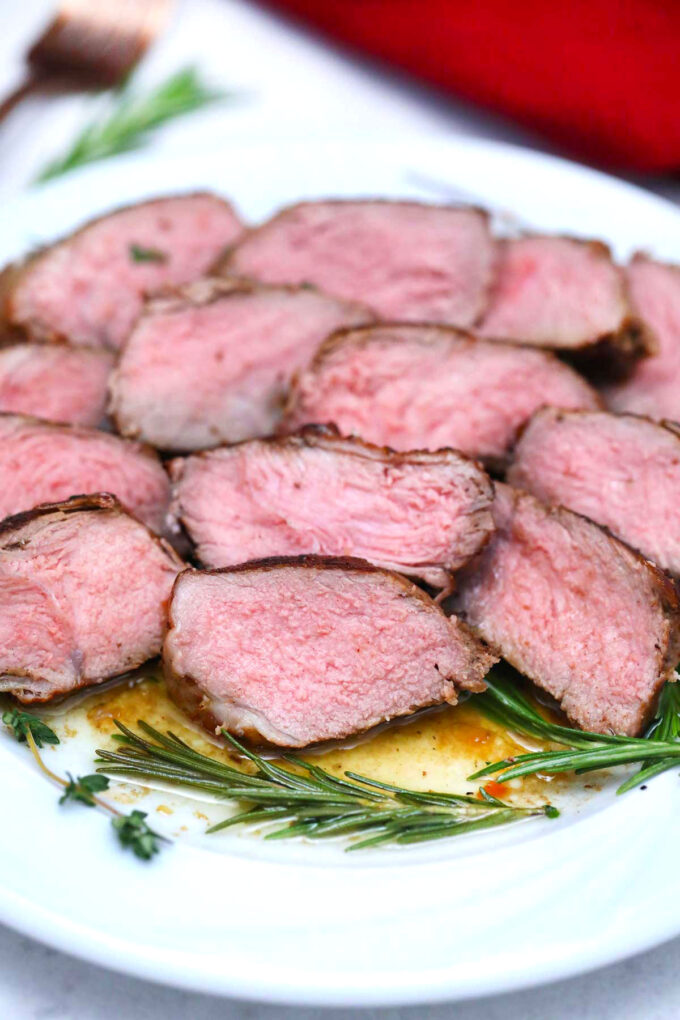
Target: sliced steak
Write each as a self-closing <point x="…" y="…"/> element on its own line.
<point x="55" y="381"/>
<point x="620" y="470"/>
<point x="83" y="596"/>
<point x="89" y="287"/>
<point x="565" y="294"/>
<point x="419" y="513"/>
<point x="581" y="614"/>
<point x="212" y="364"/>
<point x="425" y="387"/>
<point x="45" y="463"/>
<point x="406" y="260"/>
<point x="654" y="387"/>
<point x="296" y="651"/>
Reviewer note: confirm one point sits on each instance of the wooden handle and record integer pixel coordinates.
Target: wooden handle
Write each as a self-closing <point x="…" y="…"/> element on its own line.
<point x="29" y="85"/>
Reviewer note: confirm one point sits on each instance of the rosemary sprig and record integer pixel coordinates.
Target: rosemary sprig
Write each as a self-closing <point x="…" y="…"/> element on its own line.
<point x="129" y="124"/>
<point x="665" y="727"/>
<point x="310" y="801"/>
<point x="582" y="751"/>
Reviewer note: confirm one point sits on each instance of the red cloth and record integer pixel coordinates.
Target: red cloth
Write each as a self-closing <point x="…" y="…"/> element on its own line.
<point x="600" y="77"/>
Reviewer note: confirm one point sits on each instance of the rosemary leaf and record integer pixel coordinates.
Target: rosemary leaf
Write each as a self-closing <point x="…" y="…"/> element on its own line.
<point x="308" y="800"/>
<point x="132" y="119"/>
<point x="656" y="752"/>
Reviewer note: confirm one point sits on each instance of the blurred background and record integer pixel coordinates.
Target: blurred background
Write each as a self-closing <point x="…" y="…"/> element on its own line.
<point x="595" y="80"/>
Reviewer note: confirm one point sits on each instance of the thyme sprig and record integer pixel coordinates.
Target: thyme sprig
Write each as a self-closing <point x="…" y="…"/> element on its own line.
<point x="20" y="724"/>
<point x="83" y="789"/>
<point x="308" y="800"/>
<point x="132" y="119"/>
<point x="131" y="830"/>
<point x="656" y="752"/>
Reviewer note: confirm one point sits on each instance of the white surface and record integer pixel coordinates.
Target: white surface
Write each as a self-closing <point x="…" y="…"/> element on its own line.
<point x="295" y="90"/>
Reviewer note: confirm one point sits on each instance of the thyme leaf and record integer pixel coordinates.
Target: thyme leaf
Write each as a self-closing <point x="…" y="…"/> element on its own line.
<point x="22" y="723"/>
<point x="83" y="789"/>
<point x="134" y="833"/>
<point x="131" y="830"/>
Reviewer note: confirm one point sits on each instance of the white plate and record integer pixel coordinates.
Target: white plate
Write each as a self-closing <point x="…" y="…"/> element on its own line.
<point x="305" y="924"/>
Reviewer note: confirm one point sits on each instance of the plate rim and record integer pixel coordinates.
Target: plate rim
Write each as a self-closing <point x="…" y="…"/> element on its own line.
<point x="62" y="933"/>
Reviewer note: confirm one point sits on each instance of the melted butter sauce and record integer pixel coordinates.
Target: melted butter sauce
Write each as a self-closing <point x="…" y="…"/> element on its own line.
<point x="434" y="750"/>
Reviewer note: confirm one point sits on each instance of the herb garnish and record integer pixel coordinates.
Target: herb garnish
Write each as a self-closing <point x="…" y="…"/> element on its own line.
<point x="83" y="789"/>
<point x="131" y="830"/>
<point x="129" y="124"/>
<point x="583" y="752"/>
<point x="23" y="723"/>
<point x="311" y="801"/>
<point x="140" y="254"/>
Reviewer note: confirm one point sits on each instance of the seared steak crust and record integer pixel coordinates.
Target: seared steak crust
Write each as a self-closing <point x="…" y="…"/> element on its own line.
<point x="622" y="471"/>
<point x="566" y="294"/>
<point x="88" y="288"/>
<point x="425" y="386"/>
<point x="211" y="362"/>
<point x="420" y="513"/>
<point x="57" y="382"/>
<point x="83" y="593"/>
<point x="406" y="260"/>
<point x="42" y="462"/>
<point x="577" y="611"/>
<point x="348" y="645"/>
<point x="654" y="387"/>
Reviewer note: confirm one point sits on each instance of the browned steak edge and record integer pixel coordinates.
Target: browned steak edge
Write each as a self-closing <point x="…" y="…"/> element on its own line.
<point x="328" y="437"/>
<point x="12" y="332"/>
<point x="185" y="691"/>
<point x="223" y="264"/>
<point x="664" y="588"/>
<point x="209" y="289"/>
<point x="71" y="428"/>
<point x="99" y="502"/>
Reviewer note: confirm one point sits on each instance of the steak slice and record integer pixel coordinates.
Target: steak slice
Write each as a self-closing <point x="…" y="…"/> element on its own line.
<point x="83" y="596"/>
<point x="566" y="294"/>
<point x="414" y="387"/>
<point x="407" y="260"/>
<point x="212" y="364"/>
<point x="419" y="513"/>
<point x="622" y="471"/>
<point x="654" y="387"/>
<point x="294" y="651"/>
<point x="577" y="611"/>
<point x="45" y="463"/>
<point x="88" y="288"/>
<point x="55" y="381"/>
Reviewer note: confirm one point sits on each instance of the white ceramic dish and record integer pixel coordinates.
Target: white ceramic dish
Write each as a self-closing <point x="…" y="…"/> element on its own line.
<point x="305" y="924"/>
